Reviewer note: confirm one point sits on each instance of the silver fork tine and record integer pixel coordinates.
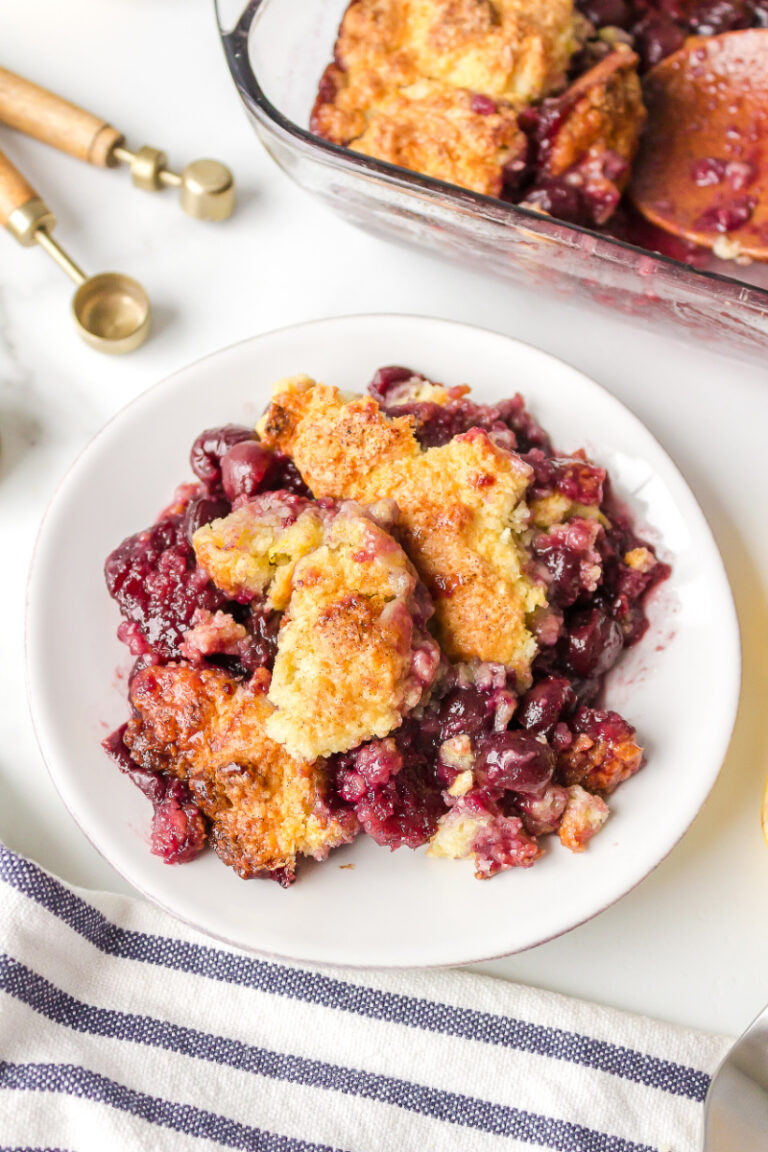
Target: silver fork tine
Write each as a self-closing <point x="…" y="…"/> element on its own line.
<point x="736" y="1109"/>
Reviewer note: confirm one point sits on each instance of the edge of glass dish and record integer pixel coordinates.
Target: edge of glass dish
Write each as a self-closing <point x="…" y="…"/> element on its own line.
<point x="235" y="45"/>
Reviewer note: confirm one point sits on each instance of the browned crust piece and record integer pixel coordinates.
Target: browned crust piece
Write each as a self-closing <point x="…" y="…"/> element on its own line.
<point x="406" y="75"/>
<point x="513" y="50"/>
<point x="600" y="765"/>
<point x="441" y="135"/>
<point x="604" y="113"/>
<point x="202" y="726"/>
<point x="460" y="506"/>
<point x="339" y="443"/>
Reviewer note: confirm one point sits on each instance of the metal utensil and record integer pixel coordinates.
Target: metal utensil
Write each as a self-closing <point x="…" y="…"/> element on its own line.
<point x="736" y="1109"/>
<point x="206" y="187"/>
<point x="111" y="310"/>
<point x="700" y="172"/>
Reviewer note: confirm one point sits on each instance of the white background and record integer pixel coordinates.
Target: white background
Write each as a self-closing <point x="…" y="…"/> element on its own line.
<point x="691" y="943"/>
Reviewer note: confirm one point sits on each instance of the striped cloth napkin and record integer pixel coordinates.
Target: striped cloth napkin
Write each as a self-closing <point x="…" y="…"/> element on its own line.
<point x="122" y="1029"/>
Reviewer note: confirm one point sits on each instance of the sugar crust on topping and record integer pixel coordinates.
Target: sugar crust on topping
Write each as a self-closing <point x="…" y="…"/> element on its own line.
<point x="346" y="668"/>
<point x="200" y="725"/>
<point x="434" y="129"/>
<point x="405" y="72"/>
<point x="253" y="550"/>
<point x="462" y="511"/>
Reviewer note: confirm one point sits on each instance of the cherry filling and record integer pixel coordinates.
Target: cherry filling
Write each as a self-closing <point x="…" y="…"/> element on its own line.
<point x="283" y="476"/>
<point x="587" y="193"/>
<point x="210" y="446"/>
<point x="544" y="703"/>
<point x="656" y="36"/>
<point x="513" y="761"/>
<point x="572" y="476"/>
<point x="508" y="423"/>
<point x="243" y="469"/>
<point x="222" y="643"/>
<point x="465" y="711"/>
<point x="179" y="828"/>
<point x="153" y="575"/>
<point x="606" y="13"/>
<point x="393" y="787"/>
<point x="657" y="28"/>
<point x="158" y="587"/>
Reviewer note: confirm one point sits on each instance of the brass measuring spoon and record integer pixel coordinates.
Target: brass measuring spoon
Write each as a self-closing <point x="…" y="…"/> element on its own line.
<point x="111" y="310"/>
<point x="702" y="170"/>
<point x="206" y="187"/>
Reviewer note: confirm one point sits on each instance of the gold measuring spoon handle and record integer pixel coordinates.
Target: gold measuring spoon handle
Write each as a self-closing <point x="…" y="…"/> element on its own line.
<point x="22" y="211"/>
<point x="206" y="187"/>
<point x="40" y="113"/>
<point x="111" y="311"/>
<point x="29" y="219"/>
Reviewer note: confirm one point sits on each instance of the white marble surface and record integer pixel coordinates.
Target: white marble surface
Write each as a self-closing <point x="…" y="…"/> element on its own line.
<point x="690" y="944"/>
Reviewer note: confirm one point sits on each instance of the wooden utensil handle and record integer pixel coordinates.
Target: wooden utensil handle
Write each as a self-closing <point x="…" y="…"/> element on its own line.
<point x="40" y="113"/>
<point x="15" y="191"/>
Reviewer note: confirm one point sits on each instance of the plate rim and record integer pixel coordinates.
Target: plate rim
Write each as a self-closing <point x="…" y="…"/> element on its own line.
<point x="734" y="658"/>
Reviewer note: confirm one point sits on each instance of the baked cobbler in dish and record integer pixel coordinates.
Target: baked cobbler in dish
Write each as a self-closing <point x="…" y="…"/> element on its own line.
<point x="449" y="88"/>
<point x="538" y="102"/>
<point x="389" y="614"/>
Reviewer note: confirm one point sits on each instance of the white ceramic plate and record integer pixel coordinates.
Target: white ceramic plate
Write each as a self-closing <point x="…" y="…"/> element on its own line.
<point x="399" y="908"/>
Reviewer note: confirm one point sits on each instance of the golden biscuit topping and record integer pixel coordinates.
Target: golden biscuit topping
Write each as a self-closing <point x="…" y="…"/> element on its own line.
<point x="463" y="514"/>
<point x="253" y="550"/>
<point x="351" y="661"/>
<point x="434" y="129"/>
<point x="434" y="85"/>
<point x="516" y="50"/>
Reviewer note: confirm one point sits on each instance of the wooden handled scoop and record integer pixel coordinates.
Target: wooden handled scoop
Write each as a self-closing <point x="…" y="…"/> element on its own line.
<point x="206" y="187"/>
<point x="702" y="171"/>
<point x="111" y="310"/>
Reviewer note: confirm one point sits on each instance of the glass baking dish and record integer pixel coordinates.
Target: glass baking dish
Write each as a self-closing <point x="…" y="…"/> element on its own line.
<point x="277" y="51"/>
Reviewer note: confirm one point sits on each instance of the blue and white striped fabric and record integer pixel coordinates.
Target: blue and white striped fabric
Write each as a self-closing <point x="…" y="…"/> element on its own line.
<point x="121" y="1029"/>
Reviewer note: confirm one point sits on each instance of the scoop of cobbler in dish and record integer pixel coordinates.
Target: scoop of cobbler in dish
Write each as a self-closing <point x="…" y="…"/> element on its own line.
<point x="389" y="613"/>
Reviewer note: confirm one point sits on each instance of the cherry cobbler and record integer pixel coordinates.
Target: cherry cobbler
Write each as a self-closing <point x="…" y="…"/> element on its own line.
<point x="538" y="102"/>
<point x="388" y="614"/>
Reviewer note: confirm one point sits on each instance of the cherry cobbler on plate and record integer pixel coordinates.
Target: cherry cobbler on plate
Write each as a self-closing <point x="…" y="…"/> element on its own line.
<point x="387" y="614"/>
